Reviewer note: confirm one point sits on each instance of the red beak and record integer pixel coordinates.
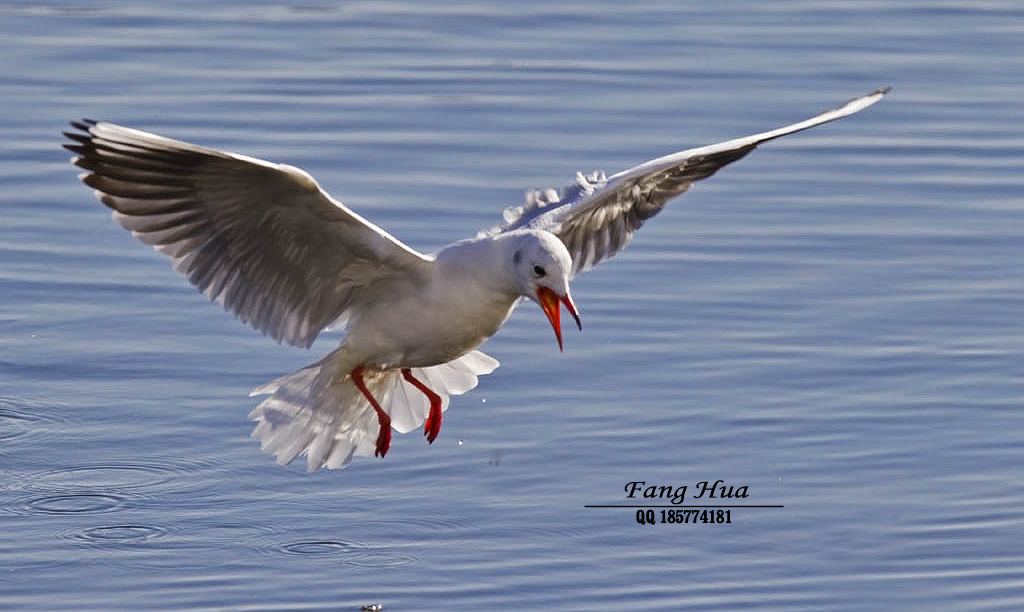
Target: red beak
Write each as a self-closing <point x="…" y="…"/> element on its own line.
<point x="548" y="301"/>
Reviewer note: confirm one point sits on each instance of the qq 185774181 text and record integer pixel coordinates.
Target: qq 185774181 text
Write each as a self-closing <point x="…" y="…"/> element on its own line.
<point x="650" y="517"/>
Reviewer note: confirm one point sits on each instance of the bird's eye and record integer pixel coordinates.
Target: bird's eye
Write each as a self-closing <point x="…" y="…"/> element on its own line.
<point x="539" y="271"/>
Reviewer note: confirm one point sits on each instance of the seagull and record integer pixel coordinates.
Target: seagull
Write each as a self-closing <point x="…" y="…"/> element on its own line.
<point x="264" y="241"/>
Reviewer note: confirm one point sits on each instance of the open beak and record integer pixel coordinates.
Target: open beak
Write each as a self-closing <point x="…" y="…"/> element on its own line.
<point x="548" y="301"/>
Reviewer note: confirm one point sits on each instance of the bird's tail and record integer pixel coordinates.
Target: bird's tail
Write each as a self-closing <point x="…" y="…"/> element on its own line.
<point x="319" y="412"/>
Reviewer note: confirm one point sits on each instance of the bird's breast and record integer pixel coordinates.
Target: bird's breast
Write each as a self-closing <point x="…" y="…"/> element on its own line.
<point x="435" y="325"/>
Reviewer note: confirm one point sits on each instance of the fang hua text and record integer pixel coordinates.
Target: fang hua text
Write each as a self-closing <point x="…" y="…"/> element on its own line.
<point x="704" y="490"/>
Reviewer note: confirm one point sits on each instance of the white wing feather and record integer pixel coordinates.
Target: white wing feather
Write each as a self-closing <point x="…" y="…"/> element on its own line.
<point x="597" y="215"/>
<point x="260" y="238"/>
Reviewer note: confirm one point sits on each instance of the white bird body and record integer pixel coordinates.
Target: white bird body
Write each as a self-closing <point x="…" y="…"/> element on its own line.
<point x="268" y="244"/>
<point x="462" y="299"/>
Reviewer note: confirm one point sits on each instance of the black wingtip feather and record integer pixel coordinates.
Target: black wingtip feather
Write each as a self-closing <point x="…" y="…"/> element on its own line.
<point x="82" y="138"/>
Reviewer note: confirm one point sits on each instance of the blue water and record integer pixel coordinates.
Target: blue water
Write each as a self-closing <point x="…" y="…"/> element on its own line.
<point x="835" y="322"/>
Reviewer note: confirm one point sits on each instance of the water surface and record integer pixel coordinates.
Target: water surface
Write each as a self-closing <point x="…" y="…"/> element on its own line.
<point x="834" y="322"/>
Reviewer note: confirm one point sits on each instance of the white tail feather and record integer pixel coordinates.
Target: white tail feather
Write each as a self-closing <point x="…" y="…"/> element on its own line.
<point x="319" y="412"/>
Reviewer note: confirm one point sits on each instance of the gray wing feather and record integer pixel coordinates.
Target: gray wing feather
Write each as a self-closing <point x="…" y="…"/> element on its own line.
<point x="597" y="215"/>
<point x="260" y="238"/>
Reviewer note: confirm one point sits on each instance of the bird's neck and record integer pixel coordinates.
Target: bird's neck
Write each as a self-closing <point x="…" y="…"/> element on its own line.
<point x="485" y="263"/>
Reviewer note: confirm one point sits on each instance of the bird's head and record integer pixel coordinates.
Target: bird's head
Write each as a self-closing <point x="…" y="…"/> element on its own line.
<point x="542" y="266"/>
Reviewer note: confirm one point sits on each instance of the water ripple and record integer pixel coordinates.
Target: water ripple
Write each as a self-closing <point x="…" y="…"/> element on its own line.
<point x="122" y="476"/>
<point x="426" y="525"/>
<point x="380" y="559"/>
<point x="105" y="535"/>
<point x="346" y="551"/>
<point x="320" y="547"/>
<point x="68" y="503"/>
<point x="21" y="417"/>
<point x="144" y="478"/>
<point x="226" y="533"/>
<point x="102" y="487"/>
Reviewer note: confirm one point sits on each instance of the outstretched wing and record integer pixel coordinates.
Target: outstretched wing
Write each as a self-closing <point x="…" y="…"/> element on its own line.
<point x="597" y="215"/>
<point x="260" y="238"/>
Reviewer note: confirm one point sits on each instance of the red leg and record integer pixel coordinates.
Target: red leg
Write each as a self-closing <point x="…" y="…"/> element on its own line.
<point x="384" y="435"/>
<point x="433" y="425"/>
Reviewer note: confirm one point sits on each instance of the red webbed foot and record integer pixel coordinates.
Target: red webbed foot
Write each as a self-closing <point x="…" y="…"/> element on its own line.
<point x="383" y="437"/>
<point x="433" y="425"/>
<point x="383" y="418"/>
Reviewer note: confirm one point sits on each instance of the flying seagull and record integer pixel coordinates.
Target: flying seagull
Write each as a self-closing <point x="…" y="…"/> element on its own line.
<point x="268" y="244"/>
